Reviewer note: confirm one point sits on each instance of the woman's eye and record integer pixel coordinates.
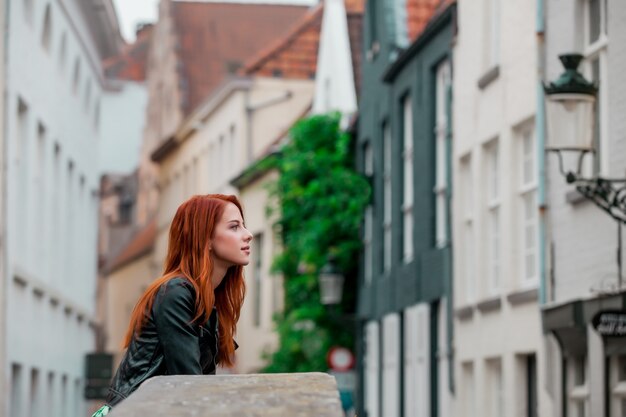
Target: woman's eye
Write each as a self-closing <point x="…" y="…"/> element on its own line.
<point x="234" y="227"/>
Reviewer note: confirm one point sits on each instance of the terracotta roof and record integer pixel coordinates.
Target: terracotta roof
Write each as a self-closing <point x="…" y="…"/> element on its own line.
<point x="419" y="13"/>
<point x="131" y="63"/>
<point x="293" y="55"/>
<point x="214" y="39"/>
<point x="140" y="244"/>
<point x="355" y="6"/>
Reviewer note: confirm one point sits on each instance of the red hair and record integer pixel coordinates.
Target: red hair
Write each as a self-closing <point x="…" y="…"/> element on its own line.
<point x="188" y="256"/>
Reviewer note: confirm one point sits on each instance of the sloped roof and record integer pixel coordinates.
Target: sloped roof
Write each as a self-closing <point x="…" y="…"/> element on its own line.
<point x="140" y="244"/>
<point x="131" y="63"/>
<point x="294" y="55"/>
<point x="419" y="13"/>
<point x="214" y="40"/>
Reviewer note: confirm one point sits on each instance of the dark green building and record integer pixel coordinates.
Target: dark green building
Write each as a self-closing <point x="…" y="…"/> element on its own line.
<point x="404" y="145"/>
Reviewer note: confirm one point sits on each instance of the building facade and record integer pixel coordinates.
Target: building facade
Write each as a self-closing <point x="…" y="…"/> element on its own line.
<point x="588" y="370"/>
<point x="500" y="362"/>
<point x="52" y="131"/>
<point x="404" y="291"/>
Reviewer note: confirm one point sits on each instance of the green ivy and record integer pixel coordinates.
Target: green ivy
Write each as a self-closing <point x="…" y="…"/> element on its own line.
<point x="320" y="200"/>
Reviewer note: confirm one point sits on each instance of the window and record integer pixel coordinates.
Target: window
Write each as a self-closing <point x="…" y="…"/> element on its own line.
<point x="29" y="7"/>
<point x="494" y="388"/>
<point x="468" y="396"/>
<point x="63" y="51"/>
<point x="17" y="399"/>
<point x="373" y="45"/>
<point x="528" y="204"/>
<point x="40" y="189"/>
<point x="257" y="278"/>
<point x="35" y="393"/>
<point x="47" y="29"/>
<point x="532" y="409"/>
<point x="491" y="31"/>
<point x="596" y="69"/>
<point x="87" y="95"/>
<point x="64" y="396"/>
<point x="368" y="164"/>
<point x="50" y="395"/>
<point x="232" y="145"/>
<point x="441" y="133"/>
<point x="22" y="145"/>
<point x="577" y="388"/>
<point x="407" y="156"/>
<point x="416" y="368"/>
<point x="467" y="190"/>
<point x="76" y="77"/>
<point x="492" y="165"/>
<point x="617" y="385"/>
<point x="386" y="197"/>
<point x="372" y="369"/>
<point x="96" y="115"/>
<point x="391" y="365"/>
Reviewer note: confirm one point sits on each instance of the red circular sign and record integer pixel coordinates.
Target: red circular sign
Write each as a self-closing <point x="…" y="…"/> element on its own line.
<point x="340" y="358"/>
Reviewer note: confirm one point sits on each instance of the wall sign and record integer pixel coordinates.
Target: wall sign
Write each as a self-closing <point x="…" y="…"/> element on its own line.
<point x="611" y="323"/>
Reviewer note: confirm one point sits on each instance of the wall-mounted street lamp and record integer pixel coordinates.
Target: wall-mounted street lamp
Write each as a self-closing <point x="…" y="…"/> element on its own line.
<point x="331" y="283"/>
<point x="570" y="113"/>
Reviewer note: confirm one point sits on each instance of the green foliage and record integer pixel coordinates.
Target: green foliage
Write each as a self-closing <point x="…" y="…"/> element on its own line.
<point x="320" y="200"/>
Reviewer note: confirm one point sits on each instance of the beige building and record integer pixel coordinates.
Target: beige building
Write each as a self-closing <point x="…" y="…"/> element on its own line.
<point x="186" y="64"/>
<point x="235" y="126"/>
<point x="2" y="219"/>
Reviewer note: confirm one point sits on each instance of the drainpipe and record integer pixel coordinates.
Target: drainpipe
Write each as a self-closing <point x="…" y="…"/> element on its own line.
<point x="540" y="134"/>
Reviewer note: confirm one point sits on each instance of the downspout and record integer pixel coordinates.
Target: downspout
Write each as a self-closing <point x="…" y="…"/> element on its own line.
<point x="540" y="134"/>
<point x="450" y="260"/>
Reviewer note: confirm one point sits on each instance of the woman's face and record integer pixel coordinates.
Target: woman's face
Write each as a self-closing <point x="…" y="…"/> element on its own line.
<point x="231" y="240"/>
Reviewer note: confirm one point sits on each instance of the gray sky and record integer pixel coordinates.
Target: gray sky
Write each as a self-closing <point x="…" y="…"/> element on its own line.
<point x="131" y="12"/>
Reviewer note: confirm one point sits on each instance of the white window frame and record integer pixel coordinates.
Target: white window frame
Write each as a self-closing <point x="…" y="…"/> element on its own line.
<point x="528" y="190"/>
<point x="577" y="393"/>
<point x="391" y="365"/>
<point x="416" y="369"/>
<point x="468" y="387"/>
<point x="387" y="195"/>
<point x="494" y="400"/>
<point x="491" y="33"/>
<point x="372" y="368"/>
<point x="408" y="172"/>
<point x="441" y="130"/>
<point x="593" y="50"/>
<point x="493" y="188"/>
<point x="368" y="238"/>
<point x="469" y="264"/>
<point x="617" y="386"/>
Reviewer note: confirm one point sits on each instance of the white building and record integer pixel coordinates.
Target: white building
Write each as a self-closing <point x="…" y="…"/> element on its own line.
<point x="588" y="371"/>
<point x="53" y="93"/>
<point x="499" y="355"/>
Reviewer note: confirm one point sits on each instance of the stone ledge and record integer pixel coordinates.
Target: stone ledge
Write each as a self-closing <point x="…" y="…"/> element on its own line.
<point x="258" y="395"/>
<point x="523" y="296"/>
<point x="489" y="305"/>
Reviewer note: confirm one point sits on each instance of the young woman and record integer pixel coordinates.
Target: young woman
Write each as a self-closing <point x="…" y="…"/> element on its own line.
<point x="185" y="320"/>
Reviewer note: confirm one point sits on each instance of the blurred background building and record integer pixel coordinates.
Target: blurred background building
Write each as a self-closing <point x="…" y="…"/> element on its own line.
<point x="53" y="92"/>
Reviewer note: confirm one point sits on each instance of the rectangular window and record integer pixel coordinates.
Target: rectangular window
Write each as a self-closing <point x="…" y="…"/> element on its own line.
<point x="595" y="68"/>
<point x="35" y="393"/>
<point x="407" y="156"/>
<point x="469" y="262"/>
<point x="40" y="191"/>
<point x="22" y="145"/>
<point x="491" y="28"/>
<point x="495" y="403"/>
<point x="257" y="277"/>
<point x="416" y="368"/>
<point x="50" y="394"/>
<point x="492" y="154"/>
<point x="468" y="389"/>
<point x="531" y="387"/>
<point x="368" y="164"/>
<point x="441" y="133"/>
<point x="372" y="369"/>
<point x="391" y="365"/>
<point x="16" y="391"/>
<point x="386" y="197"/>
<point x="528" y="203"/>
<point x="577" y="387"/>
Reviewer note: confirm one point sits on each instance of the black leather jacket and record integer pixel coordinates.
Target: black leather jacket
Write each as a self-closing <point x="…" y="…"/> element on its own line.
<point x="169" y="343"/>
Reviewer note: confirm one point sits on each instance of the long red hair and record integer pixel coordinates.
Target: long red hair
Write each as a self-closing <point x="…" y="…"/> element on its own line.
<point x="188" y="256"/>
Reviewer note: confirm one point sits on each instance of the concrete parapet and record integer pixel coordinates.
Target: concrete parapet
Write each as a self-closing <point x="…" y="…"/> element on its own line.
<point x="257" y="395"/>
